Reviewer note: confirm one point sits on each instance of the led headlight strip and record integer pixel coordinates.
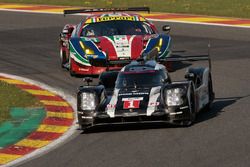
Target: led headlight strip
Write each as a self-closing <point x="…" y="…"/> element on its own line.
<point x="174" y="96"/>
<point x="88" y="101"/>
<point x="87" y="51"/>
<point x="159" y="45"/>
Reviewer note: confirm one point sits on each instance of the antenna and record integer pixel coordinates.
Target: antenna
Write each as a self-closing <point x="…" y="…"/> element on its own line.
<point x="209" y="58"/>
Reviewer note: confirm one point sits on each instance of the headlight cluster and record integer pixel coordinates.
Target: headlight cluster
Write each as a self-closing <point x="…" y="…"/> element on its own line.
<point x="87" y="50"/>
<point x="159" y="45"/>
<point x="174" y="97"/>
<point x="88" y="101"/>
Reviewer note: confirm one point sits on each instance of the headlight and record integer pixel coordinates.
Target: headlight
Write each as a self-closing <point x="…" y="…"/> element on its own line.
<point x="174" y="97"/>
<point x="87" y="51"/>
<point x="159" y="45"/>
<point x="88" y="101"/>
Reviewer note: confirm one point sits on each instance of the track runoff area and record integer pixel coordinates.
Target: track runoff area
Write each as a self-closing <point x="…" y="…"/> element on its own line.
<point x="179" y="18"/>
<point x="38" y="127"/>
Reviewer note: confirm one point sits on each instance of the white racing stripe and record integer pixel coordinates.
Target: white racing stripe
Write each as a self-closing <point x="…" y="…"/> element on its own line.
<point x="110" y="109"/>
<point x="154" y="94"/>
<point x="121" y="45"/>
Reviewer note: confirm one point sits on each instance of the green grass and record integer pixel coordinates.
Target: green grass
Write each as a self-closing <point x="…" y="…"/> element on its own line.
<point x="231" y="8"/>
<point x="11" y="96"/>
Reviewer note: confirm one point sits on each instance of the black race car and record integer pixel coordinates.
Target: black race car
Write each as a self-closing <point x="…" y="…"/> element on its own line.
<point x="144" y="92"/>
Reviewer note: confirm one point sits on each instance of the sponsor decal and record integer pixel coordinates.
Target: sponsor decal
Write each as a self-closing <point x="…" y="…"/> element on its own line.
<point x="153" y="104"/>
<point x="111" y="18"/>
<point x="129" y="18"/>
<point x="130" y="103"/>
<point x="133" y="93"/>
<point x="110" y="106"/>
<point x="122" y="46"/>
<point x="84" y="69"/>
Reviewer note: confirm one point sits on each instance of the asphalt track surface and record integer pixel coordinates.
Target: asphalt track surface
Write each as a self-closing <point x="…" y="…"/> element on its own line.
<point x="220" y="137"/>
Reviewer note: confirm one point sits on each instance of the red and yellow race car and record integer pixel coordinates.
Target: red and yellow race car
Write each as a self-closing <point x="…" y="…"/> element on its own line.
<point x="112" y="36"/>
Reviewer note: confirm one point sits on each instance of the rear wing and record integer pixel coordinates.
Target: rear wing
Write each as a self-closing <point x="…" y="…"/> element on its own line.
<point x="191" y="58"/>
<point x="153" y="55"/>
<point x="187" y="58"/>
<point x="136" y="9"/>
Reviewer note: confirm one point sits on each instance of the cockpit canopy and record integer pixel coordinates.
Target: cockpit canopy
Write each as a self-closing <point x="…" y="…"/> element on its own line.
<point x="117" y="27"/>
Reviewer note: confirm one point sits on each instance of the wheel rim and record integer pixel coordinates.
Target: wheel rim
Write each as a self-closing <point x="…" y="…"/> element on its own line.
<point x="62" y="57"/>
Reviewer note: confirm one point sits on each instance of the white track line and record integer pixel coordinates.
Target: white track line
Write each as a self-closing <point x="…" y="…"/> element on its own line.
<point x="159" y="20"/>
<point x="41" y="151"/>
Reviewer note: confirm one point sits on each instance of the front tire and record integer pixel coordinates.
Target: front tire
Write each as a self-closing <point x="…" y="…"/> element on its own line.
<point x="63" y="57"/>
<point x="192" y="113"/>
<point x="83" y="127"/>
<point x="210" y="94"/>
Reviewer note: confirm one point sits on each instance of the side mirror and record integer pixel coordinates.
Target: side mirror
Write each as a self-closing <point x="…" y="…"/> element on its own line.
<point x="165" y="80"/>
<point x="166" y="28"/>
<point x="88" y="80"/>
<point x="190" y="76"/>
<point x="65" y="31"/>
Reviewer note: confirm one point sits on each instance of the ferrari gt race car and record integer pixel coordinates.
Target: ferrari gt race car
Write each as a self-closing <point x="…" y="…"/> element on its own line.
<point x="112" y="36"/>
<point x="143" y="91"/>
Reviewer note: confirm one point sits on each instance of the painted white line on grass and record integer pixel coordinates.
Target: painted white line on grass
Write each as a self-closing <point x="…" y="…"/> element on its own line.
<point x="54" y="144"/>
<point x="159" y="20"/>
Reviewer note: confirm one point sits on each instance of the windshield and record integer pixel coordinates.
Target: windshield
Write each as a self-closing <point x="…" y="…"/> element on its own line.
<point x="139" y="79"/>
<point x="118" y="27"/>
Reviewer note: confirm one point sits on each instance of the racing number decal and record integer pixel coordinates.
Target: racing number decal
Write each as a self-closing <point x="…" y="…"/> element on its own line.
<point x="129" y="103"/>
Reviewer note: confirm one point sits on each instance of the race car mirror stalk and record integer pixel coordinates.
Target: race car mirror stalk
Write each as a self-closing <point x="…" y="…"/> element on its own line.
<point x="88" y="80"/>
<point x="166" y="28"/>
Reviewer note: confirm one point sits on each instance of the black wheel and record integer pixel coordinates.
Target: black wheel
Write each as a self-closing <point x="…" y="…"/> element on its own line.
<point x="192" y="117"/>
<point x="210" y="94"/>
<point x="63" y="58"/>
<point x="82" y="127"/>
